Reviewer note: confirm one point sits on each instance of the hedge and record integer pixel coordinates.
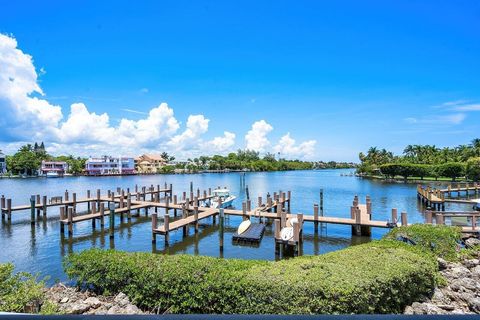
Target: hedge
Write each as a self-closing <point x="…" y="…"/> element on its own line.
<point x="441" y="240"/>
<point x="378" y="277"/>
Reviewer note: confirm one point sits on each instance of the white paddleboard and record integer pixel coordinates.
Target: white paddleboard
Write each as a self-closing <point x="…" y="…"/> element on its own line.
<point x="291" y="221"/>
<point x="286" y="234"/>
<point x="244" y="226"/>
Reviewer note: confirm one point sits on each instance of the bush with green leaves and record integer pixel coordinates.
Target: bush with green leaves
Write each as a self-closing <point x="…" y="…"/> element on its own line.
<point x="473" y="169"/>
<point x="18" y="292"/>
<point x="451" y="170"/>
<point x="378" y="277"/>
<point x="441" y="240"/>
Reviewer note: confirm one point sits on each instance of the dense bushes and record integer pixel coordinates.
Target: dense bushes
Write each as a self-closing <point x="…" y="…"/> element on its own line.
<point x="18" y="292"/>
<point x="473" y="169"/>
<point x="378" y="277"/>
<point x="451" y="170"/>
<point x="440" y="239"/>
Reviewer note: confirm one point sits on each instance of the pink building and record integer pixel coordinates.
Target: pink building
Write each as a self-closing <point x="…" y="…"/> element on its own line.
<point x="53" y="168"/>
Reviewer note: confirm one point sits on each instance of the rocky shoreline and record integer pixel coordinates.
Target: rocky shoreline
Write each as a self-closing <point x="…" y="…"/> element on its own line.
<point x="460" y="295"/>
<point x="73" y="301"/>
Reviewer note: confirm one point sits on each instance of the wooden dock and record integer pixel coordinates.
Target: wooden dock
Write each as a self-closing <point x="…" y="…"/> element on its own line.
<point x="436" y="198"/>
<point x="468" y="225"/>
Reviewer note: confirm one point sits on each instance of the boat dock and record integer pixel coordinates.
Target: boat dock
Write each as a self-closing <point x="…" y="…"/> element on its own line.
<point x="436" y="198"/>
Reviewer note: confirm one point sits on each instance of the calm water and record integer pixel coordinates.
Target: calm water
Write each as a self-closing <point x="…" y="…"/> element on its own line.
<point x="41" y="248"/>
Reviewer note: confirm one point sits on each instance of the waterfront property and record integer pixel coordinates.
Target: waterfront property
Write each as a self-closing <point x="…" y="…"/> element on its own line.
<point x="53" y="168"/>
<point x="3" y="163"/>
<point x="149" y="163"/>
<point x="109" y="166"/>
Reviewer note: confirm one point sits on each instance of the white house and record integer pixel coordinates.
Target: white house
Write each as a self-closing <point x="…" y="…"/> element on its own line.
<point x="3" y="163"/>
<point x="109" y="165"/>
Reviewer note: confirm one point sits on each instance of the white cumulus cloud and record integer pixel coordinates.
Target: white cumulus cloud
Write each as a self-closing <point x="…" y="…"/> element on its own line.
<point x="289" y="149"/>
<point x="23" y="114"/>
<point x="256" y="139"/>
<point x="197" y="125"/>
<point x="222" y="143"/>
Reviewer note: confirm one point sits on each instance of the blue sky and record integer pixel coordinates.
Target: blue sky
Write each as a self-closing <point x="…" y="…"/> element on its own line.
<point x="345" y="74"/>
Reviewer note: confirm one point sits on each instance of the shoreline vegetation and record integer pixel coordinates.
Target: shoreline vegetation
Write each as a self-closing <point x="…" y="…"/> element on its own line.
<point x="383" y="276"/>
<point x="423" y="163"/>
<point x="26" y="161"/>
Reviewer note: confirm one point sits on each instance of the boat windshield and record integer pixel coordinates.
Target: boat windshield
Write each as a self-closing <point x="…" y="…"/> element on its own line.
<point x="221" y="193"/>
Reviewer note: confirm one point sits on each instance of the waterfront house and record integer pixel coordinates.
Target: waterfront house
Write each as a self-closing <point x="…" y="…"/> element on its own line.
<point x="53" y="168"/>
<point x="3" y="163"/>
<point x="109" y="166"/>
<point x="149" y="163"/>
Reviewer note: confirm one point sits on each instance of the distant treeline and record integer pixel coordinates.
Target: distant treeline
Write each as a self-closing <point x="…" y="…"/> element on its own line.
<point x="252" y="161"/>
<point x="28" y="158"/>
<point x="424" y="161"/>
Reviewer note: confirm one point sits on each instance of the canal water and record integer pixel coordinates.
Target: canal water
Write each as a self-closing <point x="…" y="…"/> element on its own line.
<point x="40" y="248"/>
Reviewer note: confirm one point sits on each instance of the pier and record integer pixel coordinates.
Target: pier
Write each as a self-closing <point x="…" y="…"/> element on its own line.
<point x="436" y="198"/>
<point x="190" y="208"/>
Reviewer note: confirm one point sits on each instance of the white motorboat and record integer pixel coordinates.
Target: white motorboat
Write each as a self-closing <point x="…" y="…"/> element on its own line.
<point x="222" y="196"/>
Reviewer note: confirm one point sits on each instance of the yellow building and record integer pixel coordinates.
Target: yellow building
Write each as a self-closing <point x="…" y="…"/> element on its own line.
<point x="149" y="163"/>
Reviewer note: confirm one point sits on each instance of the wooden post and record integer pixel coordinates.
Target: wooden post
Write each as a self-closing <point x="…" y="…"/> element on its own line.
<point x="315" y="217"/>
<point x="404" y="219"/>
<point x="9" y="209"/>
<point x="195" y="216"/>
<point x="66" y="196"/>
<point x="249" y="205"/>
<point x="154" y="226"/>
<point x="102" y="213"/>
<point x="32" y="209"/>
<point x="88" y="202"/>
<point x="439" y="219"/>
<point x="74" y="199"/>
<point x="277" y="229"/>
<point x="221" y="213"/>
<point x="44" y="202"/>
<point x="428" y="217"/>
<point x="62" y="217"/>
<point x="394" y="215"/>
<point x="289" y="196"/>
<point x="166" y="223"/>
<point x="474" y="222"/>
<point x="70" y="221"/>
<point x="167" y="205"/>
<point x="111" y="217"/>
<point x="244" y="211"/>
<point x="94" y="211"/>
<point x="129" y="206"/>
<point x="279" y="208"/>
<point x="38" y="203"/>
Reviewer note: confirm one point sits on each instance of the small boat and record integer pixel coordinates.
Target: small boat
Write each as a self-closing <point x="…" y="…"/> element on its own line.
<point x="53" y="174"/>
<point x="222" y="195"/>
<point x="476" y="206"/>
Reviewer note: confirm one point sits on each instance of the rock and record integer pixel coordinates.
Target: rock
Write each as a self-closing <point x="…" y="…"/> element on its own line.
<point x="471" y="263"/>
<point x="64" y="300"/>
<point x="476" y="272"/>
<point x="121" y="299"/>
<point x="442" y="264"/>
<point x="474" y="305"/>
<point x="132" y="309"/>
<point x="463" y="284"/>
<point x="447" y="307"/>
<point x="114" y="310"/>
<point x="93" y="302"/>
<point x="472" y="242"/>
<point x="440" y="297"/>
<point x="78" y="308"/>
<point x="458" y="272"/>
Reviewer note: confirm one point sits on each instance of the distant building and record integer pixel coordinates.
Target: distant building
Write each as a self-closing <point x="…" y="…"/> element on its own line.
<point x="109" y="165"/>
<point x="53" y="168"/>
<point x="149" y="163"/>
<point x="3" y="163"/>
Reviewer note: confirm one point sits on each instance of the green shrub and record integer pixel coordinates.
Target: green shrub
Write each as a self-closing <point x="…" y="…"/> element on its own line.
<point x="451" y="170"/>
<point x="378" y="277"/>
<point x="440" y="239"/>
<point x="18" y="292"/>
<point x="473" y="169"/>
